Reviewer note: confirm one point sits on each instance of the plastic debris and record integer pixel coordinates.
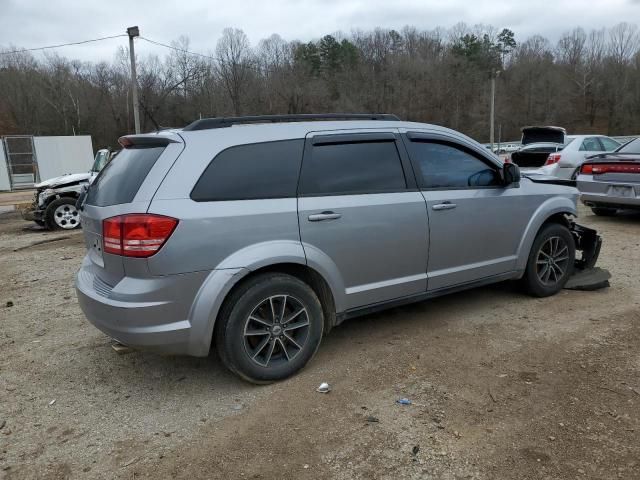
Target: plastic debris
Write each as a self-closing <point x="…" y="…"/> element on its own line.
<point x="52" y="402"/>
<point x="403" y="401"/>
<point x="415" y="449"/>
<point x="323" y="388"/>
<point x="372" y="419"/>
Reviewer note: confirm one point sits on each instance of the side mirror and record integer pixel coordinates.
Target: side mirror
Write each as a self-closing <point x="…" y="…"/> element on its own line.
<point x="510" y="173"/>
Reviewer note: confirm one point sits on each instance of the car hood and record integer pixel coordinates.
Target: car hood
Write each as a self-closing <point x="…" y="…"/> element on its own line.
<point x="538" y="176"/>
<point x="64" y="180"/>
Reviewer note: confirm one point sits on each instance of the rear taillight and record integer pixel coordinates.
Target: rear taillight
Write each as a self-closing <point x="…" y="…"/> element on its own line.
<point x="137" y="234"/>
<point x="552" y="158"/>
<point x="598" y="169"/>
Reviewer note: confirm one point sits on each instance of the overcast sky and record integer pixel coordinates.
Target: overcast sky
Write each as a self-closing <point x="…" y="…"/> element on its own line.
<point x="35" y="23"/>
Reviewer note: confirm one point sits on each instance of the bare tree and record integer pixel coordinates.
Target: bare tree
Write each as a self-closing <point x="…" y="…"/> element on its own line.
<point x="234" y="63"/>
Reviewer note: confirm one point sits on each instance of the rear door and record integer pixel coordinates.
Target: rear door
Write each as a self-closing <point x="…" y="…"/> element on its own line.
<point x="361" y="214"/>
<point x="475" y="222"/>
<point x="126" y="185"/>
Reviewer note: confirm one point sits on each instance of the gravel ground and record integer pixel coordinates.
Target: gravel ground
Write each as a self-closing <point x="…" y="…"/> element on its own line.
<point x="502" y="386"/>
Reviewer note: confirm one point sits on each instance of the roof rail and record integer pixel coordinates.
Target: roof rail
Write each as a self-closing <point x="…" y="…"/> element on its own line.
<point x="222" y="122"/>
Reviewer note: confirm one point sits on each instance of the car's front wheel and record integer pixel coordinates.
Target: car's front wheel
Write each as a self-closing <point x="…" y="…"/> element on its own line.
<point x="62" y="214"/>
<point x="269" y="328"/>
<point x="550" y="262"/>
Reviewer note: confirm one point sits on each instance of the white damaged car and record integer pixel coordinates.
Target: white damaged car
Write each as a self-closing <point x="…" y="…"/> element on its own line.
<point x="54" y="204"/>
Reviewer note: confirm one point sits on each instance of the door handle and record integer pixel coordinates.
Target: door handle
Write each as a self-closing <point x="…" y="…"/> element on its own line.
<point x="319" y="217"/>
<point x="444" y="206"/>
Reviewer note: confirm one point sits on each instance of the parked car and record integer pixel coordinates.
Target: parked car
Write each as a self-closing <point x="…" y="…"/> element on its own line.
<point x="611" y="181"/>
<point x="54" y="203"/>
<point x="534" y="155"/>
<point x="257" y="235"/>
<point x="565" y="163"/>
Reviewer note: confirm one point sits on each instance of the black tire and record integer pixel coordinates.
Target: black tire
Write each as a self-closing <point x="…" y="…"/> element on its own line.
<point x="251" y="301"/>
<point x="535" y="273"/>
<point x="604" y="211"/>
<point x="49" y="214"/>
<point x="40" y="223"/>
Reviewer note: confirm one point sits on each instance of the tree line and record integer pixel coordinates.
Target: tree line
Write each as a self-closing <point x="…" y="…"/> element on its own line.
<point x="589" y="81"/>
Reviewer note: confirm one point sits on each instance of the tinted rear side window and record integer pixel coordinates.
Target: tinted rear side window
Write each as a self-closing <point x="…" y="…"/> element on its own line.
<point x="256" y="170"/>
<point x="120" y="180"/>
<point x="342" y="168"/>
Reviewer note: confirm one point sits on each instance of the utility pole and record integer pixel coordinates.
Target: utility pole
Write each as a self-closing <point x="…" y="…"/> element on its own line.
<point x="134" y="32"/>
<point x="493" y="107"/>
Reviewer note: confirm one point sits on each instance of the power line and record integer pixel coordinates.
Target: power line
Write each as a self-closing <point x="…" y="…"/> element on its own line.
<point x="63" y="44"/>
<point x="176" y="48"/>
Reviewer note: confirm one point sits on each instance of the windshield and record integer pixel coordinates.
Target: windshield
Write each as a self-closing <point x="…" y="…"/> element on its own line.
<point x="631" y="147"/>
<point x="102" y="157"/>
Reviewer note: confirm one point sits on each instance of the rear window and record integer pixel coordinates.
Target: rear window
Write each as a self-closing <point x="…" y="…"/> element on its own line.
<point x="632" y="147"/>
<point x="252" y="171"/>
<point x="120" y="180"/>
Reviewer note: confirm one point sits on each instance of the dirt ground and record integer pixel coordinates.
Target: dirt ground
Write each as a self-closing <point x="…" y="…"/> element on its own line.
<point x="502" y="386"/>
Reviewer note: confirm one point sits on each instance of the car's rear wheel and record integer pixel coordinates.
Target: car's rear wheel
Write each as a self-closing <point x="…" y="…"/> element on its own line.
<point x="269" y="328"/>
<point x="604" y="211"/>
<point x="62" y="214"/>
<point x="550" y="261"/>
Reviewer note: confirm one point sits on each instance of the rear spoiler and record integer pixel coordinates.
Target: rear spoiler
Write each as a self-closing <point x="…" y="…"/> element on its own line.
<point x="152" y="140"/>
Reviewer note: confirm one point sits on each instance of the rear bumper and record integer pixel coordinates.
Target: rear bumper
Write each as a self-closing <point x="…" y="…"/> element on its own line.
<point x="597" y="193"/>
<point x="146" y="313"/>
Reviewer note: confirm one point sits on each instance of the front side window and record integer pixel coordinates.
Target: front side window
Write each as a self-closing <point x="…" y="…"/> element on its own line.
<point x="352" y="168"/>
<point x="443" y="165"/>
<point x="252" y="171"/>
<point x="591" y="144"/>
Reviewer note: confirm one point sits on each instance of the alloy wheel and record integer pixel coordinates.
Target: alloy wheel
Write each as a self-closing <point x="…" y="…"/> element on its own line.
<point x="552" y="261"/>
<point x="276" y="330"/>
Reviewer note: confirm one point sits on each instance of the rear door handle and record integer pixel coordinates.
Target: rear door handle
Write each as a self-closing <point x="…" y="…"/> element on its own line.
<point x="319" y="217"/>
<point x="444" y="206"/>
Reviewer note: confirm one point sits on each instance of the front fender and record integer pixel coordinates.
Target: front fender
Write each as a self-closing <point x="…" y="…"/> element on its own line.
<point x="546" y="210"/>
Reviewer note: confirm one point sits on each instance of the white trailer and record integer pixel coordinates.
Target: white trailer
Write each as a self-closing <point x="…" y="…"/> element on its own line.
<point x="26" y="160"/>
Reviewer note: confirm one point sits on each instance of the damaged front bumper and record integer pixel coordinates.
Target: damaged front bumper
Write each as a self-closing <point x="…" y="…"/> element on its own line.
<point x="589" y="243"/>
<point x="33" y="212"/>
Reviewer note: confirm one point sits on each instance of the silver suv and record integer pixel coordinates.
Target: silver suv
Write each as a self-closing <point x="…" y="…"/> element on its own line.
<point x="260" y="234"/>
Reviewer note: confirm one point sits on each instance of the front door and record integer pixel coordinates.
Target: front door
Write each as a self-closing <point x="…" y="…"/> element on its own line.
<point x="361" y="215"/>
<point x="475" y="222"/>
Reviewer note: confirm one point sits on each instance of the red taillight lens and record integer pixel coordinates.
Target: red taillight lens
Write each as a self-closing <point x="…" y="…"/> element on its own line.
<point x="597" y="169"/>
<point x="136" y="235"/>
<point x="586" y="169"/>
<point x="552" y="158"/>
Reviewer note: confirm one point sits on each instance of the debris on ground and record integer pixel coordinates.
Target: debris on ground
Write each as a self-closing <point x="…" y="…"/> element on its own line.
<point x="372" y="419"/>
<point x="41" y="242"/>
<point x="403" y="401"/>
<point x="120" y="348"/>
<point x="9" y="304"/>
<point x="323" y="388"/>
<point x="415" y="449"/>
<point x="2" y="424"/>
<point x="591" y="279"/>
<point x="52" y="402"/>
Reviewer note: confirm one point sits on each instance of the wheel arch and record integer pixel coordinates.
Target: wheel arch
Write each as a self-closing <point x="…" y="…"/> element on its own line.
<point x="555" y="210"/>
<point x="220" y="284"/>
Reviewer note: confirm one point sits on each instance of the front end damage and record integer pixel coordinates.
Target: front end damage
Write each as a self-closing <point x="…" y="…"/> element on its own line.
<point x="588" y="242"/>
